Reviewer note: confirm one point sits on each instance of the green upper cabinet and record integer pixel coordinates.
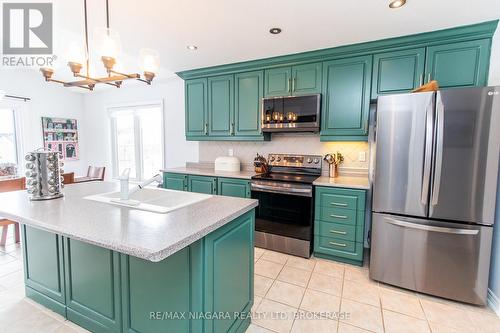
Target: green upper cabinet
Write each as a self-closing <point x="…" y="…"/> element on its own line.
<point x="346" y="99"/>
<point x="248" y="94"/>
<point x="397" y="71"/>
<point x="306" y="79"/>
<point x="294" y="80"/>
<point x="202" y="184"/>
<point x="196" y="107"/>
<point x="459" y="64"/>
<point x="233" y="187"/>
<point x="221" y="105"/>
<point x="175" y="181"/>
<point x="278" y="82"/>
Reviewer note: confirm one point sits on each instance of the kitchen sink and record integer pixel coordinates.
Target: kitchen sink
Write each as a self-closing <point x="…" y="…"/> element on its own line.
<point x="152" y="199"/>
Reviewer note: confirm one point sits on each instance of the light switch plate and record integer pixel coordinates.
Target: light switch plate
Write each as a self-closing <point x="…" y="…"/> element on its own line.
<point x="362" y="156"/>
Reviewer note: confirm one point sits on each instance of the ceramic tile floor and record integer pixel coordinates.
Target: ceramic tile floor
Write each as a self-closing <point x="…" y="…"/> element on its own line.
<point x="291" y="295"/>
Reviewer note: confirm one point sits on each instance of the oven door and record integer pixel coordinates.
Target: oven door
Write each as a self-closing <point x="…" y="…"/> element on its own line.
<point x="284" y="211"/>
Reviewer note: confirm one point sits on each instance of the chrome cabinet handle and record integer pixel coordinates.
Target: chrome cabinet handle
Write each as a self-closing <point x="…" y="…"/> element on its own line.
<point x="290" y="85"/>
<point x="428" y="77"/>
<point x="338" y="232"/>
<point x="294" y="83"/>
<point x="206" y="128"/>
<point x="445" y="230"/>
<point x="439" y="150"/>
<point x="338" y="216"/>
<point x="232" y="128"/>
<point x="338" y="204"/>
<point x="338" y="244"/>
<point x="421" y="80"/>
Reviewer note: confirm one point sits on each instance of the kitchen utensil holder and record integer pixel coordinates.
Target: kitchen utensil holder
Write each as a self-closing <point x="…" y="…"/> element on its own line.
<point x="44" y="180"/>
<point x="333" y="170"/>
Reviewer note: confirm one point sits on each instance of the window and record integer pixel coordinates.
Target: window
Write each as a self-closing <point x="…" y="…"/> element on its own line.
<point x="137" y="139"/>
<point x="8" y="142"/>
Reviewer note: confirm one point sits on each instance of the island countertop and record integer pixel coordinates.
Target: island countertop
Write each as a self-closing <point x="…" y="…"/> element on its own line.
<point x="142" y="234"/>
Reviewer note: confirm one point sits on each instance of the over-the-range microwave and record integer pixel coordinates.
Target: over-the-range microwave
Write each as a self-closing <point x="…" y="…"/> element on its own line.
<point x="291" y="113"/>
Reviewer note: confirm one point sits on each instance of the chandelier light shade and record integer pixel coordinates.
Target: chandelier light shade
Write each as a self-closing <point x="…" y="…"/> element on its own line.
<point x="108" y="48"/>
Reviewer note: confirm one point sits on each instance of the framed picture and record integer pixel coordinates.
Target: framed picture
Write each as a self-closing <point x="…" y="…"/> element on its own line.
<point x="61" y="135"/>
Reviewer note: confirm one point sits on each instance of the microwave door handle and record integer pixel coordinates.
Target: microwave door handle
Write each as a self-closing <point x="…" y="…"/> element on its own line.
<point x="427" y="154"/>
<point x="439" y="150"/>
<point x="444" y="230"/>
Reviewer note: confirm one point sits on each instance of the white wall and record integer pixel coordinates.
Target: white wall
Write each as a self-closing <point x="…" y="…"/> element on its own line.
<point x="47" y="99"/>
<point x="97" y="147"/>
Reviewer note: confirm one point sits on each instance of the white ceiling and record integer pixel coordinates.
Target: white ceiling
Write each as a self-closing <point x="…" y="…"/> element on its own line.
<point x="227" y="31"/>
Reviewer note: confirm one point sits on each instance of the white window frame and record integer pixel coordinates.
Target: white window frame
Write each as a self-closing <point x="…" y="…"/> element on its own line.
<point x="138" y="135"/>
<point x="16" y="109"/>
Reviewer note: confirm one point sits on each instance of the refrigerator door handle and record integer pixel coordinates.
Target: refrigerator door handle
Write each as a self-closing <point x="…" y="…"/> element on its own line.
<point x="445" y="230"/>
<point x="427" y="157"/>
<point x="439" y="150"/>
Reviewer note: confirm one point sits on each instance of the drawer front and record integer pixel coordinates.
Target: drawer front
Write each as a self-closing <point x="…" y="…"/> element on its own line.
<point x="341" y="198"/>
<point x="340" y="231"/>
<point x="339" y="247"/>
<point x="337" y="215"/>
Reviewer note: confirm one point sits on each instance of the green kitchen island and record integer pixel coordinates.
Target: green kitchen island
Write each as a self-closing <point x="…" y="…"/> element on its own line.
<point x="110" y="268"/>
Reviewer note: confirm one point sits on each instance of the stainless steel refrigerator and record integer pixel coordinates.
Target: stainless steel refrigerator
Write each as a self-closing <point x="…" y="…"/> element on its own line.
<point x="435" y="187"/>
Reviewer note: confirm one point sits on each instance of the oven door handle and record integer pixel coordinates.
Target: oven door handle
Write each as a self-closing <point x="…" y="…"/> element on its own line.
<point x="290" y="190"/>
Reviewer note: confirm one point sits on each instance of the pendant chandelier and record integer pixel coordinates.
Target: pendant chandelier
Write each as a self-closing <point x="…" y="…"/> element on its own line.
<point x="108" y="48"/>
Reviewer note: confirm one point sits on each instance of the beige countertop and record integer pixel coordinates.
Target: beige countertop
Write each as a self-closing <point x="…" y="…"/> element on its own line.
<point x="354" y="182"/>
<point x="142" y="234"/>
<point x="200" y="171"/>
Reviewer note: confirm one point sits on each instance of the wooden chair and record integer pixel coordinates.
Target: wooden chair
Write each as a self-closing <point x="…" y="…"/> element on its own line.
<point x="6" y="186"/>
<point x="93" y="174"/>
<point x="69" y="178"/>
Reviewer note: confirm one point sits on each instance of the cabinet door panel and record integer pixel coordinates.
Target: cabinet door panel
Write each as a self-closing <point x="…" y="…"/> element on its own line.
<point x="233" y="187"/>
<point x="278" y="81"/>
<point x="196" y="107"/>
<point x="248" y="97"/>
<point x="220" y="105"/>
<point x="459" y="64"/>
<point x="346" y="97"/>
<point x="43" y="263"/>
<point x="202" y="184"/>
<point x="398" y="71"/>
<point x="175" y="181"/>
<point x="306" y="79"/>
<point x="93" y="285"/>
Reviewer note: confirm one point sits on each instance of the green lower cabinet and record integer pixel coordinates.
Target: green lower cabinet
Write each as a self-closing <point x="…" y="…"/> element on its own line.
<point x="233" y="187"/>
<point x="152" y="290"/>
<point x="397" y="71"/>
<point x="93" y="290"/>
<point x="202" y="184"/>
<point x="44" y="268"/>
<point x="463" y="64"/>
<point x="175" y="181"/>
<point x="346" y="99"/>
<point x="105" y="291"/>
<point x="339" y="224"/>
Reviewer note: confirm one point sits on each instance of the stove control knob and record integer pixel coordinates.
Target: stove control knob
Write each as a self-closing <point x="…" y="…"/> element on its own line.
<point x="309" y="160"/>
<point x="271" y="158"/>
<point x="316" y="160"/>
<point x="278" y="159"/>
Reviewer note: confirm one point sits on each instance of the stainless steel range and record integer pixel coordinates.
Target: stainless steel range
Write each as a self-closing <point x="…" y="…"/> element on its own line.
<point x="284" y="217"/>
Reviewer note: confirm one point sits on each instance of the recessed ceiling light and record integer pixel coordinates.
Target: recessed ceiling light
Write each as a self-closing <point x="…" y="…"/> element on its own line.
<point x="192" y="47"/>
<point x="396" y="3"/>
<point x="275" y="31"/>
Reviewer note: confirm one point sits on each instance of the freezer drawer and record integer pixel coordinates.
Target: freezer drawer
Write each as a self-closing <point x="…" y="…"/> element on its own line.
<point x="444" y="259"/>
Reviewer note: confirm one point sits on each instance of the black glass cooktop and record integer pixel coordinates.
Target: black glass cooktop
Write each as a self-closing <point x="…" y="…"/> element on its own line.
<point x="286" y="177"/>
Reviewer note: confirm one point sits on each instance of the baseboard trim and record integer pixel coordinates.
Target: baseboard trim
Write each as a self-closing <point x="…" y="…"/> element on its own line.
<point x="493" y="302"/>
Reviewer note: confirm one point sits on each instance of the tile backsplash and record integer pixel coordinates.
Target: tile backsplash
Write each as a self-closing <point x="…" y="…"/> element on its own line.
<point x="288" y="143"/>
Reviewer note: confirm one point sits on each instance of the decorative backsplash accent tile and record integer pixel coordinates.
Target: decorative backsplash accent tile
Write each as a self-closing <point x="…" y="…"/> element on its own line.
<point x="291" y="144"/>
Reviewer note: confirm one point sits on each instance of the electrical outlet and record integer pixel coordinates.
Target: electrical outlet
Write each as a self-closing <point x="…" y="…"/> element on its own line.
<point x="362" y="156"/>
<point x="230" y="152"/>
